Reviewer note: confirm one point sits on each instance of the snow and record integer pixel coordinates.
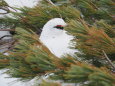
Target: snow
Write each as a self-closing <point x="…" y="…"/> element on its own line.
<point x="5" y="81"/>
<point x="21" y="3"/>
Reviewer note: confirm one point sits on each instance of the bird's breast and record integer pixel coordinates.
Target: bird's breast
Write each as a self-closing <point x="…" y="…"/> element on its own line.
<point x="58" y="45"/>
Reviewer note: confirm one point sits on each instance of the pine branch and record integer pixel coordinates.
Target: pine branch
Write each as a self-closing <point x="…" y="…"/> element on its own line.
<point x="31" y="58"/>
<point x="49" y="1"/>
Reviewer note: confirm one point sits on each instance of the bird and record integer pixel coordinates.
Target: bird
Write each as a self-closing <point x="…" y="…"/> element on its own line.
<point x="56" y="39"/>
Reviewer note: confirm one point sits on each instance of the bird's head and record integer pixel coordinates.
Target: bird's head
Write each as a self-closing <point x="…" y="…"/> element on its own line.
<point x="55" y="26"/>
<point x="58" y="23"/>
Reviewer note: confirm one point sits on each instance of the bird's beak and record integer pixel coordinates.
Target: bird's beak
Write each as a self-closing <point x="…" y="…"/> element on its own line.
<point x="65" y="25"/>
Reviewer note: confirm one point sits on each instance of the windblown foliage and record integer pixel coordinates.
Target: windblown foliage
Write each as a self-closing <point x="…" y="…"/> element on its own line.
<point x="92" y="24"/>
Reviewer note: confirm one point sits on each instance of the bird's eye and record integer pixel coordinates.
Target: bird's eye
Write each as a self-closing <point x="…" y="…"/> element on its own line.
<point x="59" y="27"/>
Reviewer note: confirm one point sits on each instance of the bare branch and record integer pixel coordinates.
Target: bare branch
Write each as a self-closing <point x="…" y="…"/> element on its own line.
<point x="109" y="61"/>
<point x="5" y="9"/>
<point x="49" y="1"/>
<point x="11" y="46"/>
<point x="5" y="36"/>
<point x="4" y="6"/>
<point x="7" y="29"/>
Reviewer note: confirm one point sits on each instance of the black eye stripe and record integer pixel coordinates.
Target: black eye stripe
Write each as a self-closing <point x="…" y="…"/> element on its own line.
<point x="59" y="27"/>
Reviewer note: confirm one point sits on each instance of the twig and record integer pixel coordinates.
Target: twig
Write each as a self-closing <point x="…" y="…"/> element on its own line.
<point x="10" y="46"/>
<point x="5" y="36"/>
<point x="5" y="9"/>
<point x="7" y="29"/>
<point x="49" y="1"/>
<point x="13" y="8"/>
<point x="108" y="59"/>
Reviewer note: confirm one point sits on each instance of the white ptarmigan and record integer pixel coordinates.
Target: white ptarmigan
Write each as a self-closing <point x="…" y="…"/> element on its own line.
<point x="56" y="38"/>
